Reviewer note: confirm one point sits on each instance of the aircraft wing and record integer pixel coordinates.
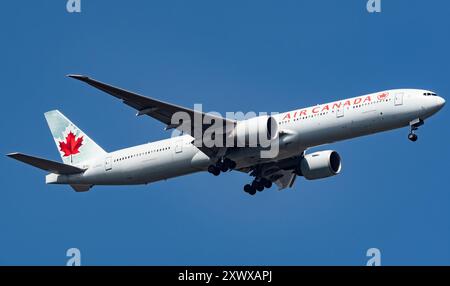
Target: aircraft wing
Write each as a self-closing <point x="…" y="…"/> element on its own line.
<point x="160" y="110"/>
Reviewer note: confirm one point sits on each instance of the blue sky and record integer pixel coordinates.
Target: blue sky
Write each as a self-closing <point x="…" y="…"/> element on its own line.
<point x="229" y="56"/>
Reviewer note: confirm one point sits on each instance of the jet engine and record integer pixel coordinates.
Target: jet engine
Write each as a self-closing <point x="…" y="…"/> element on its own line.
<point x="320" y="165"/>
<point x="256" y="131"/>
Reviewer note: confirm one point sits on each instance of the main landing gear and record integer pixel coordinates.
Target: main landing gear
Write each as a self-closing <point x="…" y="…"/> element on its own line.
<point x="223" y="165"/>
<point x="414" y="125"/>
<point x="257" y="185"/>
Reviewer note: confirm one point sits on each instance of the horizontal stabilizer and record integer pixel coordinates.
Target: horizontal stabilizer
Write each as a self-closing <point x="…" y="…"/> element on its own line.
<point x="47" y="165"/>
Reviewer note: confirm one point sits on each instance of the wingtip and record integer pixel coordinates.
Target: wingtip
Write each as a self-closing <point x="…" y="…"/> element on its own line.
<point x="12" y="155"/>
<point x="78" y="76"/>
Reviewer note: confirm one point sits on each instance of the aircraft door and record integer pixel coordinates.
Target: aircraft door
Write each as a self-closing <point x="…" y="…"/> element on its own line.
<point x="108" y="164"/>
<point x="398" y="100"/>
<point x="178" y="146"/>
<point x="340" y="112"/>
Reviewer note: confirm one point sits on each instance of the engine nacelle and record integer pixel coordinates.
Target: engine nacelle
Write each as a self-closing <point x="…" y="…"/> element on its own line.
<point x="320" y="165"/>
<point x="256" y="131"/>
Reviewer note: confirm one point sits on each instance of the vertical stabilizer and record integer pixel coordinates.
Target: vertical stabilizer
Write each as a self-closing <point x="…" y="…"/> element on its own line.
<point x="73" y="144"/>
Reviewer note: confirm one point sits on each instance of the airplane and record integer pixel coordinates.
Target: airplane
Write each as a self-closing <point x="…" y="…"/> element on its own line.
<point x="86" y="164"/>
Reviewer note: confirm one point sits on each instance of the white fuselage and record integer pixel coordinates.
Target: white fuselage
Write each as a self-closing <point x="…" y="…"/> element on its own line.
<point x="305" y="128"/>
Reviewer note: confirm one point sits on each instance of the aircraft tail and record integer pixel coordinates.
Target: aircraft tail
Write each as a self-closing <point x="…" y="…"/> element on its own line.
<point x="73" y="144"/>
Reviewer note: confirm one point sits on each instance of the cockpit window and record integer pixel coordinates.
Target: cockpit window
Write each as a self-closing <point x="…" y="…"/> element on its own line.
<point x="430" y="94"/>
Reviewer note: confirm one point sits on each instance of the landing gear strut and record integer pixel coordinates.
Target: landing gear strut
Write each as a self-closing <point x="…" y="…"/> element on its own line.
<point x="414" y="125"/>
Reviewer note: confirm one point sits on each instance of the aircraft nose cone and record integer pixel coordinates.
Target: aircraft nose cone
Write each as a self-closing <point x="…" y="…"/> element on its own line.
<point x="440" y="102"/>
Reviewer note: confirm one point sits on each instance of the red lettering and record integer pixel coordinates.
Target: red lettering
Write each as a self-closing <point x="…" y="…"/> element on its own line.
<point x="348" y="103"/>
<point x="357" y="101"/>
<point x="316" y="109"/>
<point x="287" y="116"/>
<point x="325" y="108"/>
<point x="367" y="99"/>
<point x="337" y="105"/>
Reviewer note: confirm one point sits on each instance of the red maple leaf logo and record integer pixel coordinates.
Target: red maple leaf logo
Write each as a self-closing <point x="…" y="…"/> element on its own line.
<point x="383" y="96"/>
<point x="71" y="146"/>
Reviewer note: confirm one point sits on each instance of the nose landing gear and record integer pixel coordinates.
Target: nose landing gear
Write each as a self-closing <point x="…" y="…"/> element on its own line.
<point x="414" y="126"/>
<point x="413" y="137"/>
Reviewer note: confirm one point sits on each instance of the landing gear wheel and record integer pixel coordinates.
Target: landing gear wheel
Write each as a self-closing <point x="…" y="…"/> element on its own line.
<point x="214" y="170"/>
<point x="257" y="186"/>
<point x="220" y="165"/>
<point x="267" y="184"/>
<point x="247" y="188"/>
<point x="413" y="137"/>
<point x="224" y="167"/>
